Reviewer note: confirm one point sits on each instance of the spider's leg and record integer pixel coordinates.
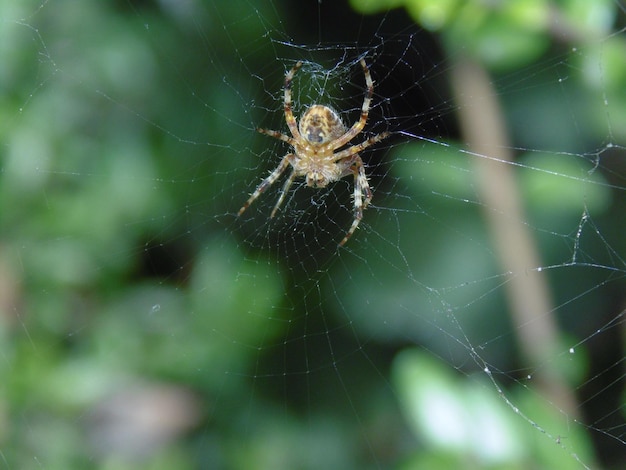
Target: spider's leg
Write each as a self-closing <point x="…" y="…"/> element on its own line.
<point x="361" y="187"/>
<point x="267" y="182"/>
<point x="278" y="135"/>
<point x="283" y="192"/>
<point x="289" y="118"/>
<point x="360" y="124"/>
<point x="357" y="148"/>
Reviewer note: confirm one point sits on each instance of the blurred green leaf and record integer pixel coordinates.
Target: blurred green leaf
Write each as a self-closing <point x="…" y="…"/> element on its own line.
<point x="557" y="186"/>
<point x="454" y="415"/>
<point x="464" y="419"/>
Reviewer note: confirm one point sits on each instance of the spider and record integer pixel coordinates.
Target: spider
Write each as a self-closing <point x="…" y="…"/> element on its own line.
<point x="316" y="141"/>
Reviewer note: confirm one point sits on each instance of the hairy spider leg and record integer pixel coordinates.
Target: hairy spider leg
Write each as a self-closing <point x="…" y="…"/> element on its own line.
<point x="293" y="127"/>
<point x="278" y="135"/>
<point x="361" y="186"/>
<point x="267" y="182"/>
<point x="283" y="192"/>
<point x="358" y="147"/>
<point x="360" y="124"/>
<point x="289" y="118"/>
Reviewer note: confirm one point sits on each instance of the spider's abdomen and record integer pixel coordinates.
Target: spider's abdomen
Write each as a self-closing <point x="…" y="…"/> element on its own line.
<point x="320" y="124"/>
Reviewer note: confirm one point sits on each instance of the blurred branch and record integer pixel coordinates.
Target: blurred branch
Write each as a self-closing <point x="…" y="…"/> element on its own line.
<point x="527" y="291"/>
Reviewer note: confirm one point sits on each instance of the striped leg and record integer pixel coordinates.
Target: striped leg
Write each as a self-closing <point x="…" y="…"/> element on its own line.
<point x="347" y="153"/>
<point x="278" y="135"/>
<point x="267" y="182"/>
<point x="361" y="187"/>
<point x="283" y="192"/>
<point x="360" y="124"/>
<point x="289" y="118"/>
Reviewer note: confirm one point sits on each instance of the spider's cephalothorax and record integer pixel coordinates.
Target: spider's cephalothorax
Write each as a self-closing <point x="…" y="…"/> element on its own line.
<point x="314" y="141"/>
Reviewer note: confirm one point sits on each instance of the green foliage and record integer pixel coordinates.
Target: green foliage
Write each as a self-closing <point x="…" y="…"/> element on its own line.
<point x="85" y="194"/>
<point x="504" y="35"/>
<point x="104" y="161"/>
<point x="459" y="421"/>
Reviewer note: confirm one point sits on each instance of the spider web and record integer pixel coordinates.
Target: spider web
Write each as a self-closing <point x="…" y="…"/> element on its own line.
<point x="474" y="320"/>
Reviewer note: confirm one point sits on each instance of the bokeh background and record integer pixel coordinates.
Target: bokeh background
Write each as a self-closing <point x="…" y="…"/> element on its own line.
<point x="143" y="326"/>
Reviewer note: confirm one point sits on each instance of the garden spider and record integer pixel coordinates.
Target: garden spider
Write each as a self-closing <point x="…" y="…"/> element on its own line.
<point x="315" y="139"/>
